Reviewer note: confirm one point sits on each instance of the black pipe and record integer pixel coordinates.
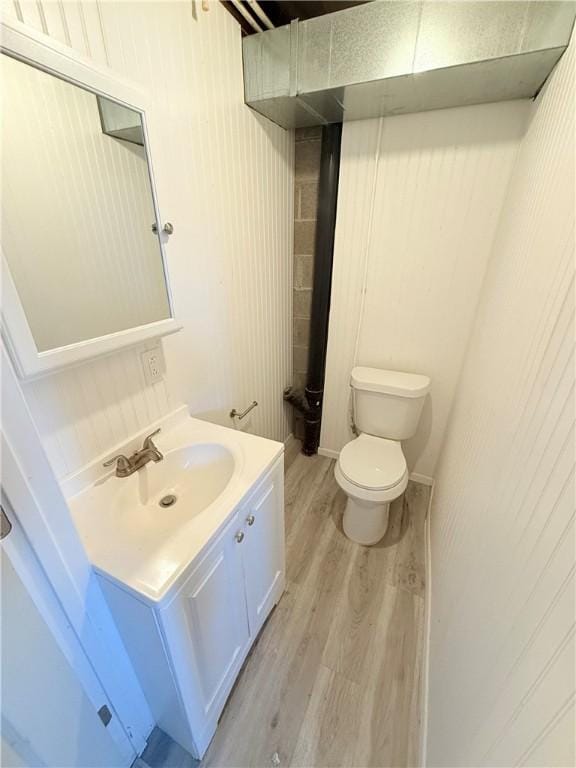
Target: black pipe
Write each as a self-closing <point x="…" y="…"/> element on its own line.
<point x="322" y="284"/>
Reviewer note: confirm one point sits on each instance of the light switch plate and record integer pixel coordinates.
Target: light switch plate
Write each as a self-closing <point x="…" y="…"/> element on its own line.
<point x="153" y="364"/>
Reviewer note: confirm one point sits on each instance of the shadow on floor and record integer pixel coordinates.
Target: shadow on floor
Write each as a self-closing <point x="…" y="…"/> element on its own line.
<point x="163" y="752"/>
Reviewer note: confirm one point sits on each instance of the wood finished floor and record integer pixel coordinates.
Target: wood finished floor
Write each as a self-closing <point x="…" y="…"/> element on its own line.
<point x="334" y="677"/>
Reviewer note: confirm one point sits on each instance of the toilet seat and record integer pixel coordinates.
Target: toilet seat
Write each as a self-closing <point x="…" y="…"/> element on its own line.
<point x="376" y="461"/>
<point x="373" y="463"/>
<point x="364" y="494"/>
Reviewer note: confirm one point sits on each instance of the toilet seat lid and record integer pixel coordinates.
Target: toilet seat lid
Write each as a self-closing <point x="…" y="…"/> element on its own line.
<point x="373" y="462"/>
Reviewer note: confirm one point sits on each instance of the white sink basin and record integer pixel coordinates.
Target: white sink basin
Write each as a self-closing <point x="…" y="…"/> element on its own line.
<point x="130" y="536"/>
<point x="195" y="475"/>
<point x="128" y="508"/>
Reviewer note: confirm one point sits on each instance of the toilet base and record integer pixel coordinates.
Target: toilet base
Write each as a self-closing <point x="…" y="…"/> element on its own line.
<point x="365" y="522"/>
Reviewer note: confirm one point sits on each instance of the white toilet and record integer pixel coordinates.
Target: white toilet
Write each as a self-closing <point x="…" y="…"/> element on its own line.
<point x="371" y="469"/>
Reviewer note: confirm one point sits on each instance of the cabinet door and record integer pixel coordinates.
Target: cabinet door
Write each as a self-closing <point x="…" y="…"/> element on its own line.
<point x="263" y="549"/>
<point x="207" y="631"/>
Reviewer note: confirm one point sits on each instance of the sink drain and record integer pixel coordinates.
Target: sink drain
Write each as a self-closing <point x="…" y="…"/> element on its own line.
<point x="168" y="501"/>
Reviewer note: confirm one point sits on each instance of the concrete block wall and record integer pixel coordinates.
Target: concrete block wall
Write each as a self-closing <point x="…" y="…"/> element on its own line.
<point x="307" y="172"/>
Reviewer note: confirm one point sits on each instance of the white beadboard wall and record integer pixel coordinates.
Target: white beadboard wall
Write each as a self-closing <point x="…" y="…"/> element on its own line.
<point x="419" y="201"/>
<point x="90" y="264"/>
<point x="224" y="177"/>
<point x="502" y="653"/>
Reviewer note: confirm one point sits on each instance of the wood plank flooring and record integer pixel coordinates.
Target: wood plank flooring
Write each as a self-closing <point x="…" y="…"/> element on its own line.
<point x="334" y="678"/>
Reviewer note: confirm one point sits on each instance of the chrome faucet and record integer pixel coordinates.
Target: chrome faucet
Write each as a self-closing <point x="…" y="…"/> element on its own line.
<point x="127" y="466"/>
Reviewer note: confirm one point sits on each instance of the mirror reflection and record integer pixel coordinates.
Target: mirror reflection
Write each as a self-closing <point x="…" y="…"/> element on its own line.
<point x="77" y="211"/>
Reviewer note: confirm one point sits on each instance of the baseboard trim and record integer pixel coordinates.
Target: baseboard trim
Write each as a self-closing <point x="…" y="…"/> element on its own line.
<point x="289" y="440"/>
<point x="329" y="453"/>
<point x="424" y="685"/>
<point x="422" y="479"/>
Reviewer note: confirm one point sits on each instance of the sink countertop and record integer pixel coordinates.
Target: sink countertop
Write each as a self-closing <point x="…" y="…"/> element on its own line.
<point x="148" y="549"/>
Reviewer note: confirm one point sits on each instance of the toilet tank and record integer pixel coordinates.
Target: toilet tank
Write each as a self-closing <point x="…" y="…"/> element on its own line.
<point x="388" y="403"/>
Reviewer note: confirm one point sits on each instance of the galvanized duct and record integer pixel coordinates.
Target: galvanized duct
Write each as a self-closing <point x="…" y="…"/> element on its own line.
<point x="390" y="57"/>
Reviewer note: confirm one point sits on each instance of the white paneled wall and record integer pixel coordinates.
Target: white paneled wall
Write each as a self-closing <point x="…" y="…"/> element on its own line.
<point x="82" y="412"/>
<point x="225" y="179"/>
<point x="418" y="204"/>
<point x="76" y="23"/>
<point x="502" y="654"/>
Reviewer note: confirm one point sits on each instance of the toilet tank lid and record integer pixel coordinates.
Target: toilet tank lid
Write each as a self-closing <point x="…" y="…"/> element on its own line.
<point x="390" y="382"/>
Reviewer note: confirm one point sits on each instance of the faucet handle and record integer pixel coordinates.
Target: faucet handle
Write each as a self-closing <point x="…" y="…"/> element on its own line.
<point x="122" y="463"/>
<point x="148" y="439"/>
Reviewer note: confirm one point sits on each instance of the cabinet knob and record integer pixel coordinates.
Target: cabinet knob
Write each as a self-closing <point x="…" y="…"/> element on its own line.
<point x="250" y="519"/>
<point x="239" y="537"/>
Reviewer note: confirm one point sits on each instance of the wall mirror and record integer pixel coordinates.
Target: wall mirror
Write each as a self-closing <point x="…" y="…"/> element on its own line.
<point x="83" y="260"/>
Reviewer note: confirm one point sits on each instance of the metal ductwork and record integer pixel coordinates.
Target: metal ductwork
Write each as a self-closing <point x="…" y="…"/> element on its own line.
<point x="393" y="57"/>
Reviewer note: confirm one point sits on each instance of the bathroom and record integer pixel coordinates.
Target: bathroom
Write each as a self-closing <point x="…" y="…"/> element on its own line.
<point x="350" y="313"/>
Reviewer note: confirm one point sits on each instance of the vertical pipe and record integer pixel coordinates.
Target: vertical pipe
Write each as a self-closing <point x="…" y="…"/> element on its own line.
<point x="322" y="284"/>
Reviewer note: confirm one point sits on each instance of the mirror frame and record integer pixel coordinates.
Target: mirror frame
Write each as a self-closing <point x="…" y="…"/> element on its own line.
<point x="37" y="50"/>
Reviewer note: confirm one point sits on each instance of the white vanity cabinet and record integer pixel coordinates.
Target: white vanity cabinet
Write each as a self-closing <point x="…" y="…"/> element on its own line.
<point x="187" y="648"/>
<point x="263" y="552"/>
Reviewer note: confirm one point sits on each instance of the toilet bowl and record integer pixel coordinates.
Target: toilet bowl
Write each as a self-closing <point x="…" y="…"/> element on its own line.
<point x="372" y="472"/>
<point x="371" y="469"/>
